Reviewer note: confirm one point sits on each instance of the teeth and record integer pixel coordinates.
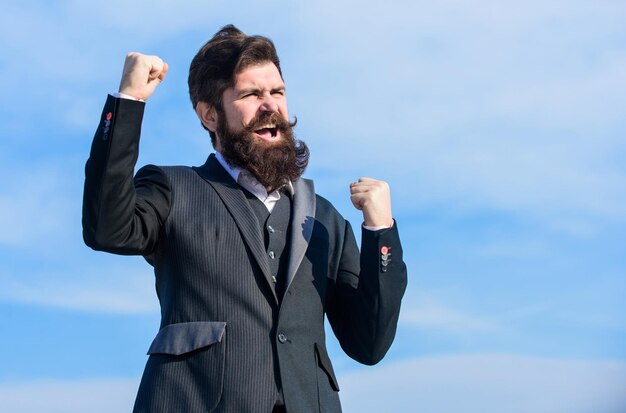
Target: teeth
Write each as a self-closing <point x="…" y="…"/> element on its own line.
<point x="268" y="126"/>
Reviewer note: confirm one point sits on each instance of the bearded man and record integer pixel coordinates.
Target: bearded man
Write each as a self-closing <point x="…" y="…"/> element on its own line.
<point x="248" y="259"/>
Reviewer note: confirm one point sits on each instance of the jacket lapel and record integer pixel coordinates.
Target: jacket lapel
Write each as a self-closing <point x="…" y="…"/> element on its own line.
<point x="302" y="220"/>
<point x="239" y="207"/>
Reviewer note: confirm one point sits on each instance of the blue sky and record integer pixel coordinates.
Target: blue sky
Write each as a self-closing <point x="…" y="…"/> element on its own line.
<point x="500" y="127"/>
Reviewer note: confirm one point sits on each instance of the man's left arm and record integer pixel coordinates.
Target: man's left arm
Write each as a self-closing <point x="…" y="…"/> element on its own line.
<point x="366" y="301"/>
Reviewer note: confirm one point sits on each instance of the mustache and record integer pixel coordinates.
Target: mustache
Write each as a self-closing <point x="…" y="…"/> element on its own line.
<point x="273" y="118"/>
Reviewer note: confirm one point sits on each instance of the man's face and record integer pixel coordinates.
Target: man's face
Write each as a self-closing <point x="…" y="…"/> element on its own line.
<point x="258" y="90"/>
<point x="253" y="130"/>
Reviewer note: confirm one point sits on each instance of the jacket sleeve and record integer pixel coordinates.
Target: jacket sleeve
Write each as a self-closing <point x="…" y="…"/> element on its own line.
<point x="121" y="214"/>
<point x="365" y="305"/>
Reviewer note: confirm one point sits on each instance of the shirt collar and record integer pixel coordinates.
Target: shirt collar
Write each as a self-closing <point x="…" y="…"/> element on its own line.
<point x="232" y="170"/>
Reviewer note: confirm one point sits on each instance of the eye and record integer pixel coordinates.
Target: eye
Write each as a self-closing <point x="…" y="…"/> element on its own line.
<point x="278" y="92"/>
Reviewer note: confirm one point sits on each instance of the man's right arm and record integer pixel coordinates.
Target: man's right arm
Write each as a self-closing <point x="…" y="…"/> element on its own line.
<point x="120" y="214"/>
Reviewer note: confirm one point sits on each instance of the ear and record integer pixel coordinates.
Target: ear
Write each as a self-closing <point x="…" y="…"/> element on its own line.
<point x="207" y="115"/>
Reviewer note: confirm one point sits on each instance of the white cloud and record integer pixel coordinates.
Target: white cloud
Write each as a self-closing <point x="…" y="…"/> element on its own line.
<point x="587" y="95"/>
<point x="46" y="262"/>
<point x="486" y="104"/>
<point x="99" y="395"/>
<point x="112" y="288"/>
<point x="506" y="173"/>
<point x="430" y="314"/>
<point x="528" y="317"/>
<point x="513" y="107"/>
<point x="158" y="20"/>
<point x="488" y="383"/>
<point x="35" y="206"/>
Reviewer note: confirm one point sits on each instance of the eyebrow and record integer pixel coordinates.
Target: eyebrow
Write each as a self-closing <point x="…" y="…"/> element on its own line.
<point x="248" y="90"/>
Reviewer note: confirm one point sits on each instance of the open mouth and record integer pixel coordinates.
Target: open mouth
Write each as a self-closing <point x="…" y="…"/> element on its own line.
<point x="267" y="131"/>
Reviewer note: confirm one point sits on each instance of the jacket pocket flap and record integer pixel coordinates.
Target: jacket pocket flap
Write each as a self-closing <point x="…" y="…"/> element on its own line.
<point x="181" y="338"/>
<point x="325" y="364"/>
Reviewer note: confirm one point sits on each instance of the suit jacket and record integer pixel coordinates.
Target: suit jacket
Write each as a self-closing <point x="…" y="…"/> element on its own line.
<point x="226" y="343"/>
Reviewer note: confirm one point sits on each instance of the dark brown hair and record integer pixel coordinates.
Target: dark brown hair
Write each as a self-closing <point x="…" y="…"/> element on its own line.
<point x="216" y="64"/>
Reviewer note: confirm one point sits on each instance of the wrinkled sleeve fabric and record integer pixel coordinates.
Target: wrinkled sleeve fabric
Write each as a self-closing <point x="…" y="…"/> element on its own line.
<point x="122" y="214"/>
<point x="365" y="306"/>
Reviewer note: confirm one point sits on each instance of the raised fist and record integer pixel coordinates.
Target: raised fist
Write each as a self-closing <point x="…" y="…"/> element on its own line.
<point x="141" y="75"/>
<point x="373" y="198"/>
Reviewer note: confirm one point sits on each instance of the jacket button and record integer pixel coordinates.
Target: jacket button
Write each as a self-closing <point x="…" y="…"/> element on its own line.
<point x="272" y="254"/>
<point x="282" y="338"/>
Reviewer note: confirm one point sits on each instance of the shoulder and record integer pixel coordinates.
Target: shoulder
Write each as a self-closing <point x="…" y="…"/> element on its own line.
<point x="325" y="206"/>
<point x="164" y="170"/>
<point x="169" y="177"/>
<point x="327" y="214"/>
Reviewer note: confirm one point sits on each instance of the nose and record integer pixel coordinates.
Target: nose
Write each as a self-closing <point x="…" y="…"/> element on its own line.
<point x="269" y="103"/>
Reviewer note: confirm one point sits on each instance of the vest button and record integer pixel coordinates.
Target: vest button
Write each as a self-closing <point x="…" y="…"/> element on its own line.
<point x="282" y="338"/>
<point x="270" y="229"/>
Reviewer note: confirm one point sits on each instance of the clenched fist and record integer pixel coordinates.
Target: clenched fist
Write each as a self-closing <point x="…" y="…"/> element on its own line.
<point x="372" y="197"/>
<point x="142" y="74"/>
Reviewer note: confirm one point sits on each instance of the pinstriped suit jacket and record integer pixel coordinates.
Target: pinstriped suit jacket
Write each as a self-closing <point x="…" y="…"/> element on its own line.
<point x="226" y="343"/>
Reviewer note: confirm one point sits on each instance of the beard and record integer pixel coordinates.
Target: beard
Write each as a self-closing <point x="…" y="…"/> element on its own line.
<point x="273" y="164"/>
